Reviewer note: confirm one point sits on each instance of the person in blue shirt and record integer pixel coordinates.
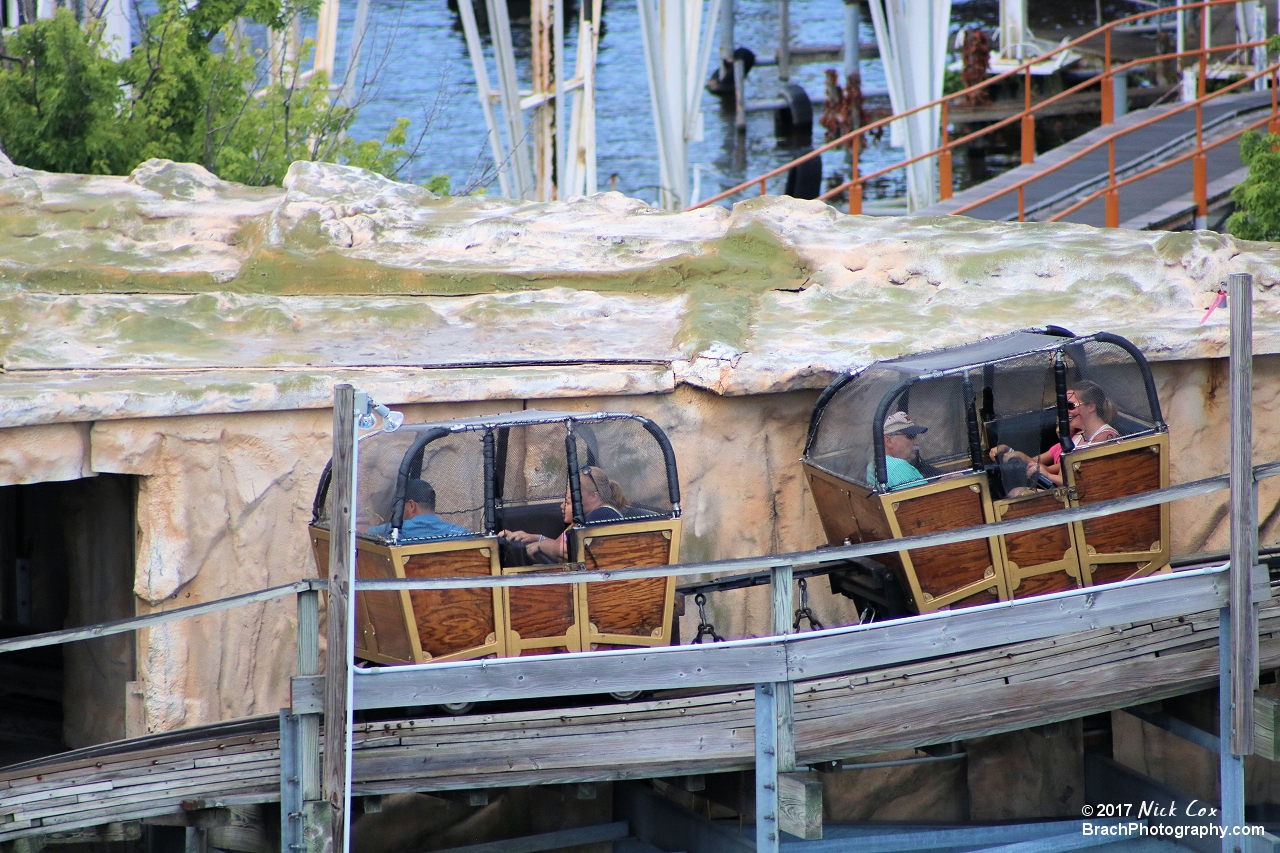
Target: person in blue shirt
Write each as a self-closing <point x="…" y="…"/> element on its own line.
<point x="901" y="450"/>
<point x="420" y="519"/>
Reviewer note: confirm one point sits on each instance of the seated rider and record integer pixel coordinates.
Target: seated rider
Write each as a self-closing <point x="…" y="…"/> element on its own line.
<point x="901" y="452"/>
<point x="420" y="520"/>
<point x="1088" y="412"/>
<point x="601" y="500"/>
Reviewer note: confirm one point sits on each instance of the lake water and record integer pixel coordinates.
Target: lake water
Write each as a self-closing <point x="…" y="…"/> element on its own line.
<point x="419" y="60"/>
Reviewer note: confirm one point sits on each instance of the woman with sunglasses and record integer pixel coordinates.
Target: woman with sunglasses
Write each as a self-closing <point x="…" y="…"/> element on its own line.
<point x="1088" y="411"/>
<point x="601" y="498"/>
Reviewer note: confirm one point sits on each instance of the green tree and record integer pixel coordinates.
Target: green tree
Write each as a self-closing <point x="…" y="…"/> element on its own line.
<point x="66" y="107"/>
<point x="1257" y="199"/>
<point x="60" y="99"/>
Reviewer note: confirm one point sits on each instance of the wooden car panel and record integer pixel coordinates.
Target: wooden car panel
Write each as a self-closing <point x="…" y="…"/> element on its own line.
<point x="541" y="619"/>
<point x="456" y="624"/>
<point x="1128" y="544"/>
<point x="946" y="575"/>
<point x="630" y="613"/>
<point x="1038" y="561"/>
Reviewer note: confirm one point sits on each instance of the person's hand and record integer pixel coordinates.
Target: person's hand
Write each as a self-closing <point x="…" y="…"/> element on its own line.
<point x="519" y="536"/>
<point x="998" y="451"/>
<point x="1033" y="470"/>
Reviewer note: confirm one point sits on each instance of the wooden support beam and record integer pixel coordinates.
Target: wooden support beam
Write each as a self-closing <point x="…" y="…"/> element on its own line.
<point x="598" y="834"/>
<point x="308" y="610"/>
<point x="767" y="838"/>
<point x="337" y="709"/>
<point x="1238" y="658"/>
<point x="800" y="805"/>
<point x="782" y="585"/>
<point x="1266" y="722"/>
<point x="667" y="825"/>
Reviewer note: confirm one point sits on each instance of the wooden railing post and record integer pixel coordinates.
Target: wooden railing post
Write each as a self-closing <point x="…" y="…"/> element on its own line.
<point x="944" y="160"/>
<point x="1238" y="622"/>
<point x="1108" y="87"/>
<point x="291" y="813"/>
<point x="1113" y="195"/>
<point x="780" y="584"/>
<point x="337" y="708"/>
<point x="309" y="664"/>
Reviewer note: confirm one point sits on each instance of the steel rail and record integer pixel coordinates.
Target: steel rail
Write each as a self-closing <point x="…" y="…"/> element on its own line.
<point x="1110" y="140"/>
<point x="1182" y="158"/>
<point x="855" y="136"/>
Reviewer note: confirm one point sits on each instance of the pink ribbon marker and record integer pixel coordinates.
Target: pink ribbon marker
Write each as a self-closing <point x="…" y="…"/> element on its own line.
<point x="1218" y="302"/>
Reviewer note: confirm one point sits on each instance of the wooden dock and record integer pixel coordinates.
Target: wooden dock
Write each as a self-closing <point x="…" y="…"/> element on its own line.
<point x="1002" y="673"/>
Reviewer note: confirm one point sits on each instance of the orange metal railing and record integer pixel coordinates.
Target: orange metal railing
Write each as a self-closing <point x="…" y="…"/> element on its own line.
<point x="855" y="140"/>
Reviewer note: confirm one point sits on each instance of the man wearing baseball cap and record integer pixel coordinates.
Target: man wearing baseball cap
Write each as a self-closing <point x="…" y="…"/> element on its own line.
<point x="901" y="449"/>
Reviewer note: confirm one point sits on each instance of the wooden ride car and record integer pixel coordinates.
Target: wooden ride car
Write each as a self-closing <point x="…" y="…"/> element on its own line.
<point x="1018" y="390"/>
<point x="523" y="471"/>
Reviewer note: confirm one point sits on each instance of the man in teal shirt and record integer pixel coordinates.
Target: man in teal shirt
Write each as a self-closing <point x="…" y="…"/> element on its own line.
<point x="901" y="444"/>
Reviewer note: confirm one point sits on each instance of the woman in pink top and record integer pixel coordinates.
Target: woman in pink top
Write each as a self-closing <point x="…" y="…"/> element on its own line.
<point x="1088" y="411"/>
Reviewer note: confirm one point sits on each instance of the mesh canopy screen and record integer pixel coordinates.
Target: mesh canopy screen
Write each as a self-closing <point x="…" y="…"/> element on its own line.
<point x="380" y="456"/>
<point x="1121" y="379"/>
<point x="454" y="466"/>
<point x="843" y="442"/>
<point x="535" y="467"/>
<point x="633" y="461"/>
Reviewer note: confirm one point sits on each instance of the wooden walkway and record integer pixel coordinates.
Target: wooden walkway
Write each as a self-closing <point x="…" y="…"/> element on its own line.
<point x="1146" y="203"/>
<point x="1001" y="686"/>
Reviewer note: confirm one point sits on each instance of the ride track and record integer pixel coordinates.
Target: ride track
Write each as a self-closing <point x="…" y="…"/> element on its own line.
<point x="858" y="690"/>
<point x="1141" y="135"/>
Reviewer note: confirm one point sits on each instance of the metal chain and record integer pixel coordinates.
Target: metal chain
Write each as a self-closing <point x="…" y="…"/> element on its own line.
<point x="804" y="612"/>
<point x="705" y="628"/>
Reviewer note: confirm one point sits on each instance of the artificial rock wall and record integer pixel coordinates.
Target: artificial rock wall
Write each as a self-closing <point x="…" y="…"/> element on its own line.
<point x="189" y="332"/>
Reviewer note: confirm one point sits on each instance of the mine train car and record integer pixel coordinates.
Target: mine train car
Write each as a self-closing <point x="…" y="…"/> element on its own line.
<point x="503" y="474"/>
<point x="944" y="412"/>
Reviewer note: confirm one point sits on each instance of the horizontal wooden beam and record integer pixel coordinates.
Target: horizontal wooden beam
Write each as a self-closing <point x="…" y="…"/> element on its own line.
<point x="550" y="840"/>
<point x="797" y="657"/>
<point x="804" y="558"/>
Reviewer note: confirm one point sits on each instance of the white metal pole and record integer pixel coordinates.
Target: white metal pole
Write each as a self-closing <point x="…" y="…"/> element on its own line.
<point x="561" y="113"/>
<point x="350" y="79"/>
<point x="472" y="34"/>
<point x="726" y="37"/>
<point x="852" y="49"/>
<point x="504" y="59"/>
<point x="326" y="38"/>
<point x="784" y="40"/>
<point x="1259" y="53"/>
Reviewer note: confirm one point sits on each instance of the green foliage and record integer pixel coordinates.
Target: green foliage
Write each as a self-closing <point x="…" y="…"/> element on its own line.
<point x="1257" y="199"/>
<point x="65" y="107"/>
<point x="952" y="81"/>
<point x="59" y="101"/>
